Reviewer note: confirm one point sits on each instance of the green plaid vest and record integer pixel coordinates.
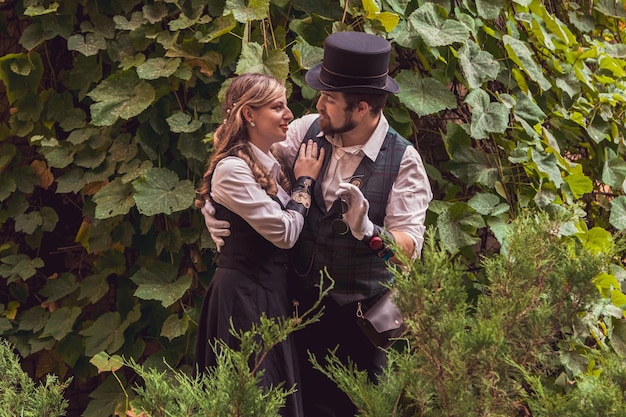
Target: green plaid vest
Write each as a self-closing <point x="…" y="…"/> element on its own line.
<point x="357" y="271"/>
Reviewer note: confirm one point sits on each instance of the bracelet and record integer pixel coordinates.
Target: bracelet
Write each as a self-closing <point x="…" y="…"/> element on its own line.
<point x="379" y="242"/>
<point x="301" y="195"/>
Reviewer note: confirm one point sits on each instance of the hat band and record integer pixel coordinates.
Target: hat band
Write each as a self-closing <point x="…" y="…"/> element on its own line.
<point x="384" y="74"/>
<point x="335" y="80"/>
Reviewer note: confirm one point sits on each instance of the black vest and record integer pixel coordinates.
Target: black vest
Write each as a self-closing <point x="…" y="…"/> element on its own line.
<point x="246" y="251"/>
<point x="357" y="271"/>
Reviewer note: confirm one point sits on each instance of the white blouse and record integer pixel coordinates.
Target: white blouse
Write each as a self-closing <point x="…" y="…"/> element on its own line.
<point x="234" y="187"/>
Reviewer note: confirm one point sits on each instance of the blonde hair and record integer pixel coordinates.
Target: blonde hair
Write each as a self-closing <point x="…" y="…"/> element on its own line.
<point x="231" y="137"/>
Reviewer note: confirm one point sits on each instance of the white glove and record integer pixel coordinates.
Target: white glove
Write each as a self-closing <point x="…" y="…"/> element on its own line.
<point x="356" y="217"/>
<point x="217" y="228"/>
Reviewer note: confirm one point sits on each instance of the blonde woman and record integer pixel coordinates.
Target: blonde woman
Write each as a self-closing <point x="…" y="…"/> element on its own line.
<point x="249" y="189"/>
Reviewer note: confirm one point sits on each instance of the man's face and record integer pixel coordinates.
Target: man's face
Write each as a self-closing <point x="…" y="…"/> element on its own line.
<point x="335" y="118"/>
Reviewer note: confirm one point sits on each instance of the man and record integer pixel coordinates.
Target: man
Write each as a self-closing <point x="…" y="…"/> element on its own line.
<point x="372" y="190"/>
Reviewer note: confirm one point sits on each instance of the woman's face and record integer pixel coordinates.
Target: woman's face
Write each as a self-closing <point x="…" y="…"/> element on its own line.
<point x="271" y="123"/>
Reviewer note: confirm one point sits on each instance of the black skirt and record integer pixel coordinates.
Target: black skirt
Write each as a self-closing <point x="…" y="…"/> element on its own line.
<point x="244" y="297"/>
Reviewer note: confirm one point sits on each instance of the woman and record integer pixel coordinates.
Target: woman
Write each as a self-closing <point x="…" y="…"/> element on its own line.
<point x="247" y="186"/>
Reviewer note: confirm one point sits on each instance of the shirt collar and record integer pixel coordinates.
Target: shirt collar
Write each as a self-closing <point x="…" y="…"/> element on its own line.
<point x="371" y="148"/>
<point x="267" y="160"/>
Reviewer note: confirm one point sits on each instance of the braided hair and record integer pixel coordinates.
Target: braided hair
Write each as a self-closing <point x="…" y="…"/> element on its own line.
<point x="231" y="137"/>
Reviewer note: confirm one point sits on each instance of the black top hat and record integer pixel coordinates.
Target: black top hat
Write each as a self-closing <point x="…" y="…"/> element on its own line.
<point x="354" y="62"/>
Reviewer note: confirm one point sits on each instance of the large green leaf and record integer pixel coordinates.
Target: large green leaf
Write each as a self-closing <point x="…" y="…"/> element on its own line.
<point x="473" y="166"/>
<point x="122" y="95"/>
<point x="245" y="11"/>
<point x="155" y="12"/>
<point x="14" y="267"/>
<point x="34" y="35"/>
<point x="105" y="398"/>
<point x="484" y="203"/>
<point x="94" y="287"/>
<point x="182" y="123"/>
<point x="192" y="147"/>
<point x="28" y="222"/>
<point x="220" y="26"/>
<point x="160" y="281"/>
<point x="487" y="116"/>
<point x="579" y="183"/>
<point x="39" y="10"/>
<point x="20" y="74"/>
<point x="424" y="96"/>
<point x="72" y="181"/>
<point x="174" y="326"/>
<point x="432" y="24"/>
<point x="159" y="191"/>
<point x="457" y="226"/>
<point x="613" y="8"/>
<point x="61" y="322"/>
<point x="33" y="319"/>
<point x="58" y="156"/>
<point x="373" y="12"/>
<point x="597" y="240"/>
<point x="456" y="138"/>
<point x="7" y="187"/>
<point x="88" y="45"/>
<point x="114" y="199"/>
<point x="547" y="163"/>
<point x="398" y="6"/>
<point x="106" y="363"/>
<point x="154" y="68"/>
<point x="107" y="332"/>
<point x="7" y="153"/>
<point x="137" y="19"/>
<point x="169" y="240"/>
<point x="253" y="59"/>
<point x="57" y="288"/>
<point x="489" y="9"/>
<point x="185" y="22"/>
<point x="552" y="25"/>
<point x="617" y="218"/>
<point x="614" y="171"/>
<point x="307" y="55"/>
<point x="478" y="66"/>
<point x="90" y="158"/>
<point x="618" y="339"/>
<point x="521" y="53"/>
<point x="526" y="108"/>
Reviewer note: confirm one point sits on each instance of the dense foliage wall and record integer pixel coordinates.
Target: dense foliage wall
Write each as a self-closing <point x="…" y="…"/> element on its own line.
<point x="109" y="108"/>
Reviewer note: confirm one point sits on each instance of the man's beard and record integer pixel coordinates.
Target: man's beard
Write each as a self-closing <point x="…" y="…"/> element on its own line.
<point x="347" y="125"/>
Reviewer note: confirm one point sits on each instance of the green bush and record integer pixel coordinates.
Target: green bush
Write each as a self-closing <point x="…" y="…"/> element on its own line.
<point x="514" y="340"/>
<point x="228" y="389"/>
<point x="20" y="396"/>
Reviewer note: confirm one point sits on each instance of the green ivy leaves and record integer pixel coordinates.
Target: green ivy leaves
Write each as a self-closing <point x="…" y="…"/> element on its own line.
<point x="529" y="105"/>
<point x="432" y="24"/>
<point x="160" y="191"/>
<point x="160" y="281"/>
<point x="122" y="95"/>
<point x="244" y="11"/>
<point x="423" y="96"/>
<point x="20" y="74"/>
<point x="156" y="191"/>
<point x="115" y="198"/>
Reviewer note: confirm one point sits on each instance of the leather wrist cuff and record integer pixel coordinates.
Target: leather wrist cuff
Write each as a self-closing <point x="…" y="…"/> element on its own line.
<point x="298" y="206"/>
<point x="303" y="183"/>
<point x="379" y="242"/>
<point x="301" y="195"/>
